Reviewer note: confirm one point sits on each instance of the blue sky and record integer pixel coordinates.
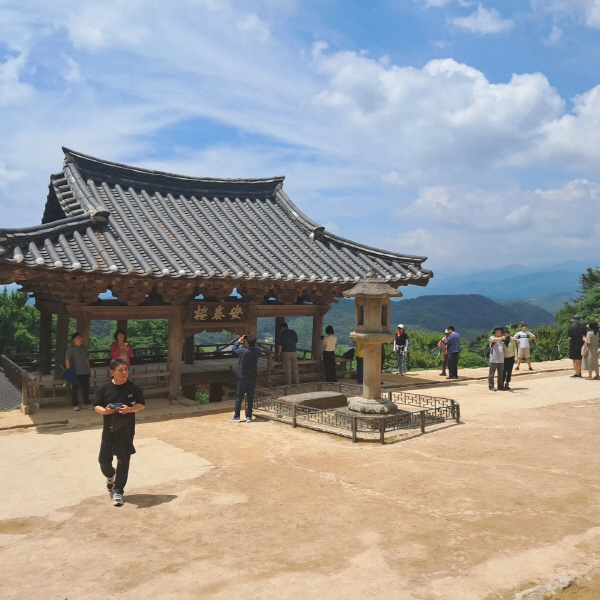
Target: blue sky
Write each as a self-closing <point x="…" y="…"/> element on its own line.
<point x="467" y="132"/>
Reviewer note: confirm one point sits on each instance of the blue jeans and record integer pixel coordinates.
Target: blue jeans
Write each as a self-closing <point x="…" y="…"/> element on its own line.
<point x="244" y="388"/>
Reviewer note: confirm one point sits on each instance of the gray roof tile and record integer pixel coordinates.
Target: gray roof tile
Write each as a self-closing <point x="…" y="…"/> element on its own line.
<point x="111" y="218"/>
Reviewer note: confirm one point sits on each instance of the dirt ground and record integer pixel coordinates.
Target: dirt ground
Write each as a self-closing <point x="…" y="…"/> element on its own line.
<point x="218" y="510"/>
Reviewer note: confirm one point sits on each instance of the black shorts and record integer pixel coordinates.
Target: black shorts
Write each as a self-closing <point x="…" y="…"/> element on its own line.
<point x="575" y="353"/>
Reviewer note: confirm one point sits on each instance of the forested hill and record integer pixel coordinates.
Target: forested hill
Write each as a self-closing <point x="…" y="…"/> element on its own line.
<point x="471" y="314"/>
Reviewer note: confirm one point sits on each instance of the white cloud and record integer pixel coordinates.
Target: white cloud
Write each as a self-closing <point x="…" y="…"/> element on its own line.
<point x="508" y="222"/>
<point x="588" y="11"/>
<point x="554" y="37"/>
<point x="253" y="25"/>
<point x="72" y="72"/>
<point x="12" y="89"/>
<point x="483" y="21"/>
<point x="355" y="135"/>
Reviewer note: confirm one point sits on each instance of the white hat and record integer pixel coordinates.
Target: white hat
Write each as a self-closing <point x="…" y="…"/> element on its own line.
<point x="446" y="331"/>
<point x="400" y="326"/>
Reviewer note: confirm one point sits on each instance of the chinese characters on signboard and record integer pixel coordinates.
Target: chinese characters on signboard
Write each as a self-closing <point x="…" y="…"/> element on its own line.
<point x="216" y="313"/>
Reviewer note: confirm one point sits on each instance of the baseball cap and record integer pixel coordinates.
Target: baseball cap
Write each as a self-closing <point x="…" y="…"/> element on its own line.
<point x="400" y="326"/>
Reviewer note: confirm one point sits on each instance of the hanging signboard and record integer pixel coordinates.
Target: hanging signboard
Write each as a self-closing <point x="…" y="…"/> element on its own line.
<point x="217" y="313"/>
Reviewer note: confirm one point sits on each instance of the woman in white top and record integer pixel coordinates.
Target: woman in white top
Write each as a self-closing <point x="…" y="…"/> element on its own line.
<point x="329" y="342"/>
<point x="590" y="360"/>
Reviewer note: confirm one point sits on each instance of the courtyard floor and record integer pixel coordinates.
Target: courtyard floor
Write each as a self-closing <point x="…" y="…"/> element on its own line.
<point x="218" y="510"/>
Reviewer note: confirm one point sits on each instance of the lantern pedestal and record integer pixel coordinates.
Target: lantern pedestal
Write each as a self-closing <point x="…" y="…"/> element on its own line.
<point x="371" y="401"/>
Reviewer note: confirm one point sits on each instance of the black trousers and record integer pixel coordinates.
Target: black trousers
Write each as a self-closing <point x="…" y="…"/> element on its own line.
<point x="453" y="364"/>
<point x="85" y="390"/>
<point x="509" y="363"/>
<point x="329" y="366"/>
<point x="245" y="387"/>
<point x="105" y="458"/>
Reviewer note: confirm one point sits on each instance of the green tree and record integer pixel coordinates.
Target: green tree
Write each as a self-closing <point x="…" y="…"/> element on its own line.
<point x="19" y="324"/>
<point x="589" y="279"/>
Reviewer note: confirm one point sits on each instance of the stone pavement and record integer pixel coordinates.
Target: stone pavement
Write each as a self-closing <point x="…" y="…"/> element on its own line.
<point x="219" y="510"/>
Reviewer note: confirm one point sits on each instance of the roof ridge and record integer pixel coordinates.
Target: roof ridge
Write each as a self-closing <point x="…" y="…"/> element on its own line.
<point x="73" y="154"/>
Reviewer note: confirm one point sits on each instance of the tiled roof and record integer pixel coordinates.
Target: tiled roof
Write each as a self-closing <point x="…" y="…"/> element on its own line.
<point x="103" y="217"/>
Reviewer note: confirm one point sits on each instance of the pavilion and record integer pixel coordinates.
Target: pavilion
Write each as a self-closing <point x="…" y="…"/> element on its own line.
<point x="174" y="247"/>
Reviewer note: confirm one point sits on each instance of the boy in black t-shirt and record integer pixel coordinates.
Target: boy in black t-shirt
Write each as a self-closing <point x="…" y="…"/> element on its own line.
<point x="118" y="401"/>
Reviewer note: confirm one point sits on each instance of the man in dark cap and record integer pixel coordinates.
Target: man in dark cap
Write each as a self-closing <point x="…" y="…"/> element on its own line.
<point x="575" y="334"/>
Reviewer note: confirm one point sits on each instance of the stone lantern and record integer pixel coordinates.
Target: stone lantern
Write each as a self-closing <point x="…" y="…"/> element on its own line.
<point x="372" y="315"/>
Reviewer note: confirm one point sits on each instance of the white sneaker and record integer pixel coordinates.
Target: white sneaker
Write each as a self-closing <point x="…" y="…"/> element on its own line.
<point x="88" y="406"/>
<point x="248" y="419"/>
<point x="117" y="499"/>
<point x="76" y="407"/>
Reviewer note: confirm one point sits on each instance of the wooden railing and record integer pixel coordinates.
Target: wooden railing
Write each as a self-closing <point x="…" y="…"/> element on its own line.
<point x="19" y="378"/>
<point x="58" y="389"/>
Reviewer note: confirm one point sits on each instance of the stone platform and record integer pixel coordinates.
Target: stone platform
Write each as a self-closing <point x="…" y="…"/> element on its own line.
<point x="323" y="400"/>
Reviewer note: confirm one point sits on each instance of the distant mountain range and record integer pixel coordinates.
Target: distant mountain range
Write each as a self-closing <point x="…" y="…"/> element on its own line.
<point x="548" y="287"/>
<point x="471" y="314"/>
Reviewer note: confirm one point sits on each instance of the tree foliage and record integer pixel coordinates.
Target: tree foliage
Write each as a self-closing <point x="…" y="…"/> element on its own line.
<point x="19" y="324"/>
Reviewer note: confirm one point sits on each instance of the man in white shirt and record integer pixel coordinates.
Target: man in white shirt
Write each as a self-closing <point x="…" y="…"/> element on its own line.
<point x="496" y="361"/>
<point x="523" y="338"/>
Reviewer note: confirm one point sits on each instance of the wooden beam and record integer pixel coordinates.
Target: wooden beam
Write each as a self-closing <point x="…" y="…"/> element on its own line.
<point x="55" y="308"/>
<point x="175" y="355"/>
<point x="116" y="313"/>
<point x="62" y="342"/>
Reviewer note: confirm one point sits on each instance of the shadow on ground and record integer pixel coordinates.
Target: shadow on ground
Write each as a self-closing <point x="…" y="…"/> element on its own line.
<point x="149" y="500"/>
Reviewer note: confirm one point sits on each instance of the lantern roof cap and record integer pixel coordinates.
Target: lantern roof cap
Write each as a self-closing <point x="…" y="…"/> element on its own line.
<point x="372" y="287"/>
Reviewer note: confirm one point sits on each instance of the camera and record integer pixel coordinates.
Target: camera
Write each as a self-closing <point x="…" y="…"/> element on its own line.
<point x="116" y="405"/>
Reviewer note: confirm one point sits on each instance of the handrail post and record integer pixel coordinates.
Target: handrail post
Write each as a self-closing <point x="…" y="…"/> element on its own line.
<point x="24" y="392"/>
<point x="294" y="408"/>
<point x="353" y="424"/>
<point x="422" y="421"/>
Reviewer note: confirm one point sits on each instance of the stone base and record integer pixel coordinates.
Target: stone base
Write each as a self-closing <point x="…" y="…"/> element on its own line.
<point x="322" y="400"/>
<point x="372" y="407"/>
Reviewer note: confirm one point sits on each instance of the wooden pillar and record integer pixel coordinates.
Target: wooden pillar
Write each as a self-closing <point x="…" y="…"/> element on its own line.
<point x="215" y="392"/>
<point x="83" y="327"/>
<point x="175" y="354"/>
<point x="252" y="327"/>
<point x="278" y="322"/>
<point x="317" y="332"/>
<point x="122" y="326"/>
<point x="62" y="342"/>
<point x="188" y="350"/>
<point x="45" y="348"/>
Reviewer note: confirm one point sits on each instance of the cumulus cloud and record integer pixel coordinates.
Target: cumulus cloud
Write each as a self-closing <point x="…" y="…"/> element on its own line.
<point x="544" y="221"/>
<point x="483" y="21"/>
<point x="355" y="134"/>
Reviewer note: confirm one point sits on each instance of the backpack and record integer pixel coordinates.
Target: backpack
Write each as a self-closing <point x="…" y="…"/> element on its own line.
<point x="488" y="351"/>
